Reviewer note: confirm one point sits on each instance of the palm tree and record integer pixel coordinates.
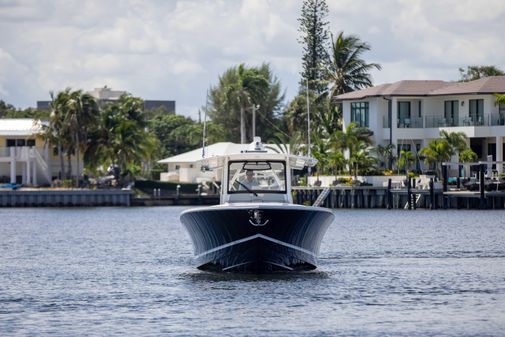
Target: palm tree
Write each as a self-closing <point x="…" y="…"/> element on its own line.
<point x="437" y="151"/>
<point x="500" y="99"/>
<point x="405" y="160"/>
<point x="386" y="154"/>
<point x="239" y="89"/>
<point x="347" y="71"/>
<point x="352" y="140"/>
<point x="82" y="112"/>
<point x="457" y="141"/>
<point x="121" y="138"/>
<point x="56" y="131"/>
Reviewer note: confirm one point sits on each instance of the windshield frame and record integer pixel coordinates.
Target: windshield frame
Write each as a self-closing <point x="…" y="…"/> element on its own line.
<point x="284" y="177"/>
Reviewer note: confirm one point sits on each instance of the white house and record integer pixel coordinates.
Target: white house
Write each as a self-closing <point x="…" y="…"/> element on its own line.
<point x="187" y="167"/>
<point x="25" y="157"/>
<point x="410" y="113"/>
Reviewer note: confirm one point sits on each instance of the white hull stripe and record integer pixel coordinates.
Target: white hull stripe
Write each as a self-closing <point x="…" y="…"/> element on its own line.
<point x="256" y="236"/>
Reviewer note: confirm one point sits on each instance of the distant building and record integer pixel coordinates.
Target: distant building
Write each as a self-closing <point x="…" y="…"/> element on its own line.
<point x="410" y="113"/>
<point x="105" y="95"/>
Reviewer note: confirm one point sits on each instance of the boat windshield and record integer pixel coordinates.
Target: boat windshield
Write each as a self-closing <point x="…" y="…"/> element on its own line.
<point x="257" y="176"/>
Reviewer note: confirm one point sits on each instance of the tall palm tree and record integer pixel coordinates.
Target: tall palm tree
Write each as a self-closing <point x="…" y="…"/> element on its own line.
<point x="82" y="113"/>
<point x="239" y="89"/>
<point x="347" y="71"/>
<point x="56" y="131"/>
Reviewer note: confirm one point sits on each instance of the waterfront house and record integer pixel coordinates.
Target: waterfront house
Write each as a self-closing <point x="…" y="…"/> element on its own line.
<point x="25" y="157"/>
<point x="410" y="113"/>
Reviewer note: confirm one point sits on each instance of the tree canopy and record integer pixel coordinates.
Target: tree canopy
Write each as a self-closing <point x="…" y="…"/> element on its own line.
<point x="240" y="90"/>
<point x="472" y="73"/>
<point x="314" y="40"/>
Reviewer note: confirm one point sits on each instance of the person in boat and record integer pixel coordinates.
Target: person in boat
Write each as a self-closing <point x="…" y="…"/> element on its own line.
<point x="250" y="181"/>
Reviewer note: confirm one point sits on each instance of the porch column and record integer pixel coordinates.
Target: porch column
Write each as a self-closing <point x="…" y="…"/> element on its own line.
<point x="13" y="164"/>
<point x="499" y="153"/>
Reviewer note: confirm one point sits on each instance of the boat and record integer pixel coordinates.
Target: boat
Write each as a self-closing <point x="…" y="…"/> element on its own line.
<point x="256" y="228"/>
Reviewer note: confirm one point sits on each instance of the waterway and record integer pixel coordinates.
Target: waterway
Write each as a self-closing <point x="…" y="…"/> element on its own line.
<point x="128" y="272"/>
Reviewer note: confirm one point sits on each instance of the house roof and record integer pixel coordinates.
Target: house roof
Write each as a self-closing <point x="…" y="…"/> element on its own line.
<point x="217" y="149"/>
<point x="19" y="127"/>
<point x="486" y="85"/>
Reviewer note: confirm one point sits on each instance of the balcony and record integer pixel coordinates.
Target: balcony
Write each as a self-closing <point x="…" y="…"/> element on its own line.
<point x="439" y="121"/>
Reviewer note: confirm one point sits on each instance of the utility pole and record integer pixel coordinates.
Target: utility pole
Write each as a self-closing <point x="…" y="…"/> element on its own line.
<point x="308" y="132"/>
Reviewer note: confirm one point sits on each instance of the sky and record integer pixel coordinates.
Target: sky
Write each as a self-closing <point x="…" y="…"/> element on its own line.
<point x="177" y="49"/>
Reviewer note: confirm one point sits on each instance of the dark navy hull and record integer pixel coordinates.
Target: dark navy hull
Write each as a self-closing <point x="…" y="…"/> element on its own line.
<point x="257" y="238"/>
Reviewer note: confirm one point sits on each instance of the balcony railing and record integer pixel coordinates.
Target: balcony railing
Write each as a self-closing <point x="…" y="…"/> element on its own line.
<point x="410" y="123"/>
<point x="439" y="121"/>
<point x="20" y="152"/>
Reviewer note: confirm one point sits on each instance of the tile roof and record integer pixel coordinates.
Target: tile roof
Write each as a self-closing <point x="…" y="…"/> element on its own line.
<point x="487" y="85"/>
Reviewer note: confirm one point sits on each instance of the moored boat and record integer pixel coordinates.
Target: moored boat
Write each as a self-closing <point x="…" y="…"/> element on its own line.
<point x="257" y="228"/>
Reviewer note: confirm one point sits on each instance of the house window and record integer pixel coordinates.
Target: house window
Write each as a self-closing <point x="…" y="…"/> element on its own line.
<point x="10" y="142"/>
<point x="451" y="112"/>
<point x="404" y="114"/>
<point x="359" y="113"/>
<point x="477" y="111"/>
<point x="30" y="142"/>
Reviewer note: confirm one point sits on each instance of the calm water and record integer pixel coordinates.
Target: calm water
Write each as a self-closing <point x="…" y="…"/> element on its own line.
<point x="127" y="271"/>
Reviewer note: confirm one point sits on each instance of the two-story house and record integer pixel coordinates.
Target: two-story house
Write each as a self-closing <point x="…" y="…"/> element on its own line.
<point x="25" y="157"/>
<point x="410" y="113"/>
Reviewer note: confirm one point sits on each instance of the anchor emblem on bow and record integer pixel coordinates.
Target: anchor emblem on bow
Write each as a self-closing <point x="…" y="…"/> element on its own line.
<point x="256" y="218"/>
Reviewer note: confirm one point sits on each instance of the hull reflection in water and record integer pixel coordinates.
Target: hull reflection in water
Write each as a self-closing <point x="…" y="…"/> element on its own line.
<point x="257" y="238"/>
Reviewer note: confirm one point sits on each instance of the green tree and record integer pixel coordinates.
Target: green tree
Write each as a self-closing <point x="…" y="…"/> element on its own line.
<point x="6" y="109"/>
<point x="347" y="70"/>
<point x="80" y="117"/>
<point x="314" y="40"/>
<point x="56" y="131"/>
<point x="406" y="160"/>
<point x="457" y="141"/>
<point x="121" y="138"/>
<point x="386" y="155"/>
<point x="436" y="152"/>
<point x="472" y="73"/>
<point x="240" y="90"/>
<point x="468" y="156"/>
<point x="356" y="142"/>
<point x="500" y="99"/>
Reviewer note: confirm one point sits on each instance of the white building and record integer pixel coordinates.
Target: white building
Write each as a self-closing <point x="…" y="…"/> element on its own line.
<point x="187" y="167"/>
<point x="25" y="157"/>
<point x="410" y="113"/>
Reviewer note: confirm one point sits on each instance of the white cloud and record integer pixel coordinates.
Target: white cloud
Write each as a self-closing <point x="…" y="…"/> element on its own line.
<point x="177" y="49"/>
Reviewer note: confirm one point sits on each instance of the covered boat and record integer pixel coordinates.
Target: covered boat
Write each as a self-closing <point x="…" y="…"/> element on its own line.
<point x="257" y="228"/>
